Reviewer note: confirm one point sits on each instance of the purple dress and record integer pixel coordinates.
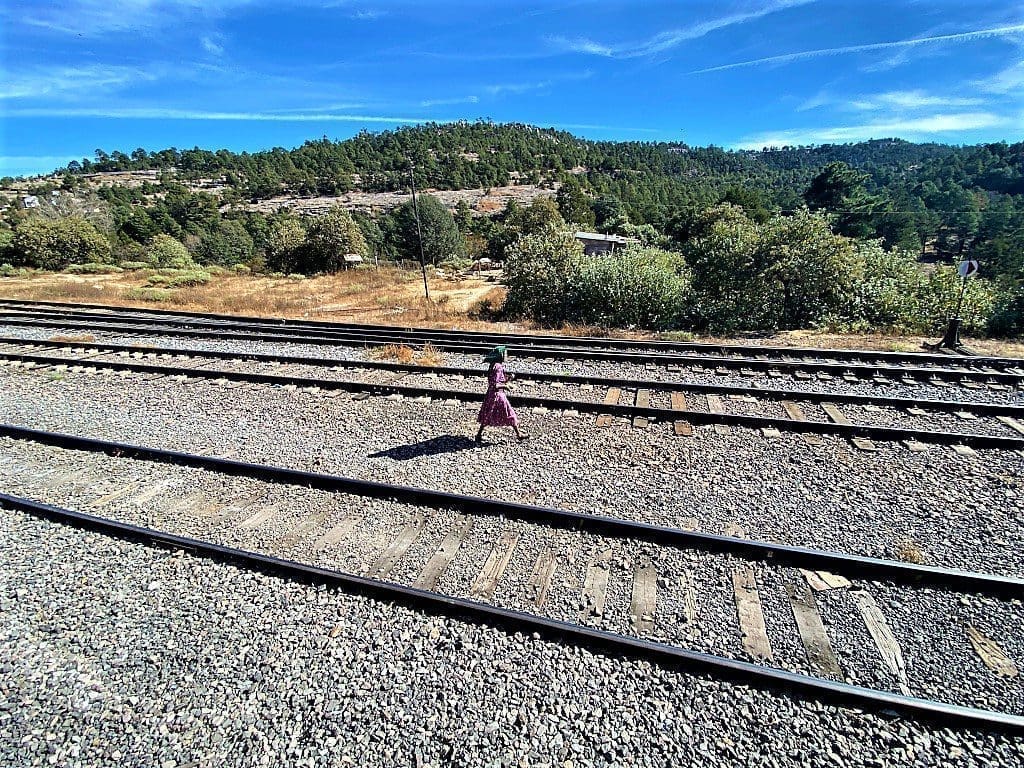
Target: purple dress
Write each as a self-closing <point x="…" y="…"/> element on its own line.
<point x="496" y="410"/>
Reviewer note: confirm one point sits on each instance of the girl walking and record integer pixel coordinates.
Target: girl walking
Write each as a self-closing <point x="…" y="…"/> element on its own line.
<point x="496" y="410"/>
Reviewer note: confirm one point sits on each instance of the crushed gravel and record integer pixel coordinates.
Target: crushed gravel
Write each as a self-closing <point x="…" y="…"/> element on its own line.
<point x="118" y="654"/>
<point x="961" y="511"/>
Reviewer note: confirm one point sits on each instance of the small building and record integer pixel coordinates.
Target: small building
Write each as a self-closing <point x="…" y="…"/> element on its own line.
<point x="594" y="242"/>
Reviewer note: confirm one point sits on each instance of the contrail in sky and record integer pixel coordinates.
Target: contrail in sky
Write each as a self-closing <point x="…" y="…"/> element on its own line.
<point x="788" y="57"/>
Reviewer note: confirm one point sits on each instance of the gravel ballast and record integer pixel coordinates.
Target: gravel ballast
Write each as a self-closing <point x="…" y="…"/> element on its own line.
<point x="289" y="521"/>
<point x="960" y="511"/>
<point x="118" y="654"/>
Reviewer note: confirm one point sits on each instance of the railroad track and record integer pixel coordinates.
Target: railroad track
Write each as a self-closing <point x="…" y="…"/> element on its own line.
<point x="772" y="361"/>
<point x="521" y="340"/>
<point x="766" y="614"/>
<point x="640" y="402"/>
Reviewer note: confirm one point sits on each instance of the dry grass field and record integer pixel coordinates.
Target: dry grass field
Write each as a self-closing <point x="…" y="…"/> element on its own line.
<point x="391" y="297"/>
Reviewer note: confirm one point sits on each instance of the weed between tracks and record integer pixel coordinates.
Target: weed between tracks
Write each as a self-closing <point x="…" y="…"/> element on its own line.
<point x="909" y="552"/>
<point x="402" y="353"/>
<point x="397" y="352"/>
<point x="74" y="338"/>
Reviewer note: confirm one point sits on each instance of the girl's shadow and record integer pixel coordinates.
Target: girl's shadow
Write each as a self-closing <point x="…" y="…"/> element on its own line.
<point x="431" y="447"/>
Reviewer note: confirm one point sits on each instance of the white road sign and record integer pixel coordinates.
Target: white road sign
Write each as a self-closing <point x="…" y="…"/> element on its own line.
<point x="968" y="268"/>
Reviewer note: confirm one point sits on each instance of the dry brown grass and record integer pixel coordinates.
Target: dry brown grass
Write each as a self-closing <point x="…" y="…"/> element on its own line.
<point x="397" y="352"/>
<point x="391" y="296"/>
<point x="430" y="355"/>
<point x="909" y="552"/>
<point x="74" y="338"/>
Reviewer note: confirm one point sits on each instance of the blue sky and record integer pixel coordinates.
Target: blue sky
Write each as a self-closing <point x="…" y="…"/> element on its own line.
<point x="77" y="75"/>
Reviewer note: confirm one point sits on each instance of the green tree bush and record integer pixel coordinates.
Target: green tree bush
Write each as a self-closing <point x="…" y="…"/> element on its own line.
<point x="540" y="270"/>
<point x="441" y="238"/>
<point x="639" y="288"/>
<point x="328" y="240"/>
<point x="167" y="253"/>
<point x="53" y="244"/>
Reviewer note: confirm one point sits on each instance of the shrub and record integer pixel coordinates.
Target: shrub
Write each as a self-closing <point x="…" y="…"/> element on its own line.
<point x="217" y="271"/>
<point x="150" y="294"/>
<point x="1008" y="314"/>
<point x="551" y="281"/>
<point x="295" y="276"/>
<point x="133" y="266"/>
<point x="53" y="244"/>
<point x="888" y="297"/>
<point x="641" y="287"/>
<point x="92" y="269"/>
<point x="241" y="269"/>
<point x="939" y="298"/>
<point x="539" y="272"/>
<point x="6" y="270"/>
<point x="179" y="278"/>
<point x="489" y="306"/>
<point x="167" y="252"/>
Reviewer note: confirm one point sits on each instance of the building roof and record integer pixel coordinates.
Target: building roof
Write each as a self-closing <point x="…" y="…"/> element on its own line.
<point x="598" y="237"/>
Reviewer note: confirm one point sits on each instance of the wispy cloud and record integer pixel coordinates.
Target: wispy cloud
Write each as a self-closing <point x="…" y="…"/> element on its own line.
<point x="909" y="100"/>
<point x="161" y="113"/>
<point x="914" y="128"/>
<point x="211" y="45"/>
<point x="890" y="100"/>
<point x="582" y="45"/>
<point x="669" y="39"/>
<point x="371" y="14"/>
<point x="787" y="58"/>
<point x="1008" y="80"/>
<point x="97" y="17"/>
<point x="537" y="85"/>
<point x="51" y="81"/>
<point x="448" y="102"/>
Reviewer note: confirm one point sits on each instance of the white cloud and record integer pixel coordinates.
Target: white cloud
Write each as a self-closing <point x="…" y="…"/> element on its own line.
<point x="211" y="46"/>
<point x="495" y="90"/>
<point x="583" y="45"/>
<point x="1009" y="80"/>
<point x="162" y="113"/>
<point x="369" y="14"/>
<point x="664" y="41"/>
<point x="920" y="127"/>
<point x="803" y="55"/>
<point x="95" y="17"/>
<point x="56" y="80"/>
<point x="889" y="100"/>
<point x="448" y="102"/>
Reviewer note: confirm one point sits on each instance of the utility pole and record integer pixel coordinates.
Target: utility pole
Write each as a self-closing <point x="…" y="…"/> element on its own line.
<point x="419" y="231"/>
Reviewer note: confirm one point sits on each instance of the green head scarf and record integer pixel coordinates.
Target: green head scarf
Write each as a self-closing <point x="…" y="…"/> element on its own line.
<point x="496" y="355"/>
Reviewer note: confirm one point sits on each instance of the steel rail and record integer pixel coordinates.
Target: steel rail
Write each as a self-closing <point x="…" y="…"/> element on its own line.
<point x="636" y="358"/>
<point x="858" y="566"/>
<point x="976" y="440"/>
<point x="531" y="339"/>
<point x="486" y="340"/>
<point x="987" y="409"/>
<point x="621" y="646"/>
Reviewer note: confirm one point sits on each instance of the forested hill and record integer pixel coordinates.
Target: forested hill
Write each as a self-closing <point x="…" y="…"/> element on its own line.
<point x="482" y="154"/>
<point x="742" y="216"/>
